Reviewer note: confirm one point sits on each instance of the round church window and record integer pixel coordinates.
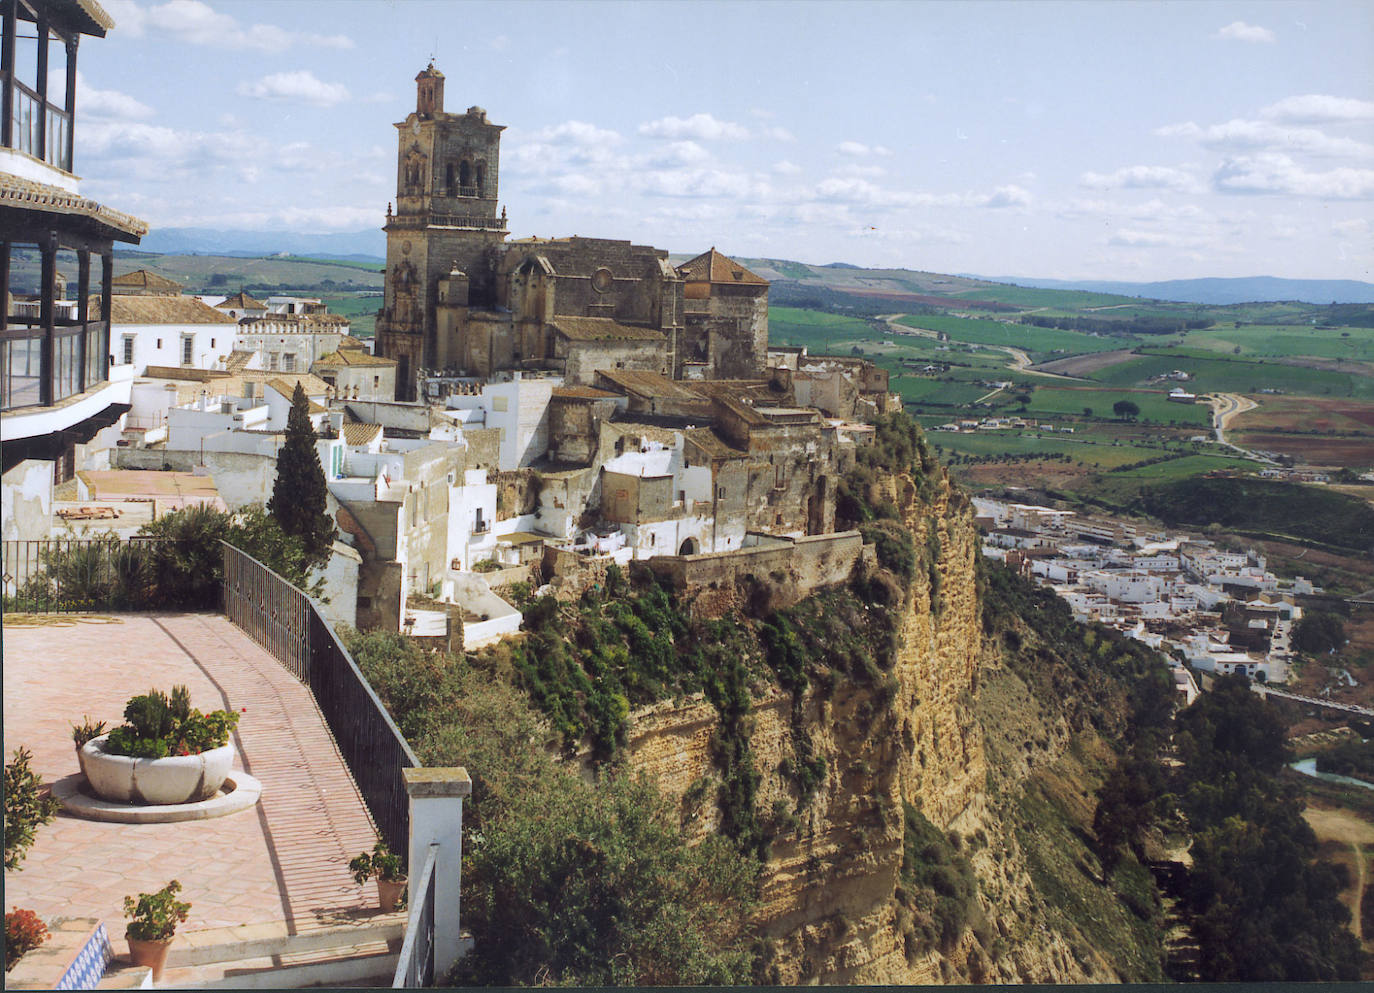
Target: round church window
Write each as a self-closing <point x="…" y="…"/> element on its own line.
<point x="601" y="280"/>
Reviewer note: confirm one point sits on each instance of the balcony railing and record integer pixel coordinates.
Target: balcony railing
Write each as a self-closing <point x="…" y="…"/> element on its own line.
<point x="79" y="353"/>
<point x="81" y="575"/>
<point x="283" y="620"/>
<point x="415" y="967"/>
<point x="39" y="128"/>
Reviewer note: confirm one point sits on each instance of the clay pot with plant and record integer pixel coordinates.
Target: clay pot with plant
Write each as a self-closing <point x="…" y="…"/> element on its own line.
<point x="153" y="920"/>
<point x="84" y="732"/>
<point x="167" y="753"/>
<point x="384" y="866"/>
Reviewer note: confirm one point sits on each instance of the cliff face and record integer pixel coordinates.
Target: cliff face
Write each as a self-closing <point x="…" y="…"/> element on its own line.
<point x="834" y="905"/>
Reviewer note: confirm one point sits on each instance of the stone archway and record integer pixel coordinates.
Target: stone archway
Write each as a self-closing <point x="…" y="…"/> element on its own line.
<point x="689" y="547"/>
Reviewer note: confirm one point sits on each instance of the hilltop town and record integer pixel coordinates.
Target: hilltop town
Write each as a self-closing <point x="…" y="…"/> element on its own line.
<point x="533" y="412"/>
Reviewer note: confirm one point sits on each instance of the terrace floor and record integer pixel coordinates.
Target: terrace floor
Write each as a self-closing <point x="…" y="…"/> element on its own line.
<point x="284" y="860"/>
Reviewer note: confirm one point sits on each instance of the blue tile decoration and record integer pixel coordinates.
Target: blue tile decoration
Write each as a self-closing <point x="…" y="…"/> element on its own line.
<point x="89" y="966"/>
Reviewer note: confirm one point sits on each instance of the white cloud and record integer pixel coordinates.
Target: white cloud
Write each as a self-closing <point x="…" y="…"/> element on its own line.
<point x="1146" y="239"/>
<point x="1242" y="135"/>
<point x="1275" y="173"/>
<point x="1352" y="227"/>
<point x="702" y="127"/>
<point x="300" y="84"/>
<point x="572" y="133"/>
<point x="1008" y="196"/>
<point x="108" y="103"/>
<point x="1140" y="177"/>
<point x="1240" y="31"/>
<point x="197" y="23"/>
<point x="678" y="154"/>
<point x="1316" y="108"/>
<point x="778" y="134"/>
<point x="786" y="168"/>
<point x="858" y="148"/>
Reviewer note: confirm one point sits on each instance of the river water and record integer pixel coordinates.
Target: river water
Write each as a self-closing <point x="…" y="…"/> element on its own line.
<point x="1308" y="767"/>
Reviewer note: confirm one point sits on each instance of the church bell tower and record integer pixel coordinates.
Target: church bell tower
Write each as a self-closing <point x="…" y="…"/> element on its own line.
<point x="445" y="223"/>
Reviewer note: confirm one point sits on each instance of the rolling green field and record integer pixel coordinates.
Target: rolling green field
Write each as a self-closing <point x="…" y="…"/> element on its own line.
<point x="818" y="331"/>
<point x="1026" y="444"/>
<point x="1153" y="406"/>
<point x="1041" y="343"/>
<point x="1279" y="341"/>
<point x="1237" y="375"/>
<point x="1029" y="297"/>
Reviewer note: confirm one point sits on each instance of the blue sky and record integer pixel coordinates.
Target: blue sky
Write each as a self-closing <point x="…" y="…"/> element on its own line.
<point x="1078" y="140"/>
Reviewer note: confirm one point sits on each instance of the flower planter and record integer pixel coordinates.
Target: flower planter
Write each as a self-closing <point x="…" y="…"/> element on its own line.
<point x="175" y="779"/>
<point x="151" y="953"/>
<point x="389" y="893"/>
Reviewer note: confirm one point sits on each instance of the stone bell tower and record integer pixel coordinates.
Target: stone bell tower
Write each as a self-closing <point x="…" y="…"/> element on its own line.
<point x="445" y="221"/>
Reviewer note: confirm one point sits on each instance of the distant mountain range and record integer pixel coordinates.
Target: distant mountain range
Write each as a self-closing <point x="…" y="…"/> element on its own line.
<point x="363" y="246"/>
<point x="370" y="246"/>
<point x="1247" y="289"/>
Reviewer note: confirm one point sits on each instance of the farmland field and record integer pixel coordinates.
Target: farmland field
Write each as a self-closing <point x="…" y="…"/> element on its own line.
<point x="1040" y="342"/>
<point x="817" y="330"/>
<point x="1274" y="341"/>
<point x="1239" y="376"/>
<point x="1153" y="405"/>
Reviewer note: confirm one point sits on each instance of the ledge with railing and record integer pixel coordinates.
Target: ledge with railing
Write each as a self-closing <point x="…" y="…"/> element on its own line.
<point x="417" y="810"/>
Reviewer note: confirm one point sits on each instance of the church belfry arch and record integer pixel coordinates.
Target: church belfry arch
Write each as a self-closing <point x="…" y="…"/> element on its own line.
<point x="446" y="219"/>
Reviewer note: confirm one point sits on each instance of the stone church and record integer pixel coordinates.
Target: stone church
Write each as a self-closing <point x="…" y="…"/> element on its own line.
<point x="462" y="300"/>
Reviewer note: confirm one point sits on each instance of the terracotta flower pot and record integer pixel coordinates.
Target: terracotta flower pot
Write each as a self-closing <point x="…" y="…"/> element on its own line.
<point x="151" y="952"/>
<point x="389" y="893"/>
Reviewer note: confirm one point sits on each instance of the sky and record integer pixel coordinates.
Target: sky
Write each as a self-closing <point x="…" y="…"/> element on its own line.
<point x="1084" y="140"/>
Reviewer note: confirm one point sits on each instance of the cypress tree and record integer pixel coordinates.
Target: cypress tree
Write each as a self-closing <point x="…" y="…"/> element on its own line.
<point x="299" y="495"/>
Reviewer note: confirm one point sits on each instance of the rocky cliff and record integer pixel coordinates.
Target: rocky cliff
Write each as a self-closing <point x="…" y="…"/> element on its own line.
<point x="852" y="891"/>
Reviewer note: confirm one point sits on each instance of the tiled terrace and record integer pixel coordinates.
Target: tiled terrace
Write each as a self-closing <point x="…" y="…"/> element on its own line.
<point x="285" y="860"/>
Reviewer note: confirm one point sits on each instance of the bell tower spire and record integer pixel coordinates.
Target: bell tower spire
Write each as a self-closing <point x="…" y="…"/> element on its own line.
<point x="429" y="96"/>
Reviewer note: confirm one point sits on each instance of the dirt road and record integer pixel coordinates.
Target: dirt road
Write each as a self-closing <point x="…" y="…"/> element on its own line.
<point x="1020" y="361"/>
<point x="1345" y="827"/>
<point x="1225" y="406"/>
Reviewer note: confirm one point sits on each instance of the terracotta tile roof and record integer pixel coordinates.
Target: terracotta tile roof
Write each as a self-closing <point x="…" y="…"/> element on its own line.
<point x="649" y="384"/>
<point x="241" y="301"/>
<point x="145" y="280"/>
<point x="286" y="385"/>
<point x="711" y="444"/>
<point x="348" y="341"/>
<point x="354" y="357"/>
<point x="25" y="194"/>
<point x="164" y="310"/>
<point x="187" y="374"/>
<point x="601" y="329"/>
<point x="360" y="434"/>
<point x="581" y="393"/>
<point x="713" y="267"/>
<point x="238" y="359"/>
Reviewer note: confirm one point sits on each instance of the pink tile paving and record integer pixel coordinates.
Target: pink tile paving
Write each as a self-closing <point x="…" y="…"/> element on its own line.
<point x="285" y="860"/>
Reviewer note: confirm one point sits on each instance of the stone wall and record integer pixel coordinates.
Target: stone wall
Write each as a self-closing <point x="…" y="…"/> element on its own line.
<point x="27" y="501"/>
<point x="241" y="478"/>
<point x="792" y="568"/>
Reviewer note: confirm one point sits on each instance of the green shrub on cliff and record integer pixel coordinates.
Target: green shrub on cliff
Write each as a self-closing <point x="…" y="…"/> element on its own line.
<point x="564" y="883"/>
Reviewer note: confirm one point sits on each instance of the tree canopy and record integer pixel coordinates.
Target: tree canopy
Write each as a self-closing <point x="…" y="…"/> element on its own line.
<point x="299" y="496"/>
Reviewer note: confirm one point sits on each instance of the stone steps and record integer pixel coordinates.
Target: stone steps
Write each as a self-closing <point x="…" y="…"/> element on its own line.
<point x="360" y="951"/>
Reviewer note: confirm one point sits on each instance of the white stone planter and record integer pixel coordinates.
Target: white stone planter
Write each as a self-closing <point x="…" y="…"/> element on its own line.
<point x="175" y="779"/>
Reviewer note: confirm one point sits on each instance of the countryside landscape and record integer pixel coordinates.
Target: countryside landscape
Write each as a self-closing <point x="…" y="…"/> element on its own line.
<point x="453" y="539"/>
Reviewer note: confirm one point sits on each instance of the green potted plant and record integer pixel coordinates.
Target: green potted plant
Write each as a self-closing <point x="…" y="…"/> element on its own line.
<point x="153" y="920"/>
<point x="84" y="732"/>
<point x="167" y="752"/>
<point x="385" y="866"/>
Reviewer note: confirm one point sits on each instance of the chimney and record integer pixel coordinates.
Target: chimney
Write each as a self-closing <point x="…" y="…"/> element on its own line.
<point x="429" y="96"/>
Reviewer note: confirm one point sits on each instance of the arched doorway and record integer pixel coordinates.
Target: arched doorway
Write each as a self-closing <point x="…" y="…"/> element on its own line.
<point x="688" y="547"/>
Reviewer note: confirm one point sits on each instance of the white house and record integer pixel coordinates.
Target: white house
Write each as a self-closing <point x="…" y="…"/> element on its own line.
<point x="168" y="331"/>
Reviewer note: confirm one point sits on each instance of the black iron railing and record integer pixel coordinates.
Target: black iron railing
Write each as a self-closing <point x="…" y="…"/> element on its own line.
<point x="80" y="575"/>
<point x="283" y="620"/>
<point x="415" y="967"/>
